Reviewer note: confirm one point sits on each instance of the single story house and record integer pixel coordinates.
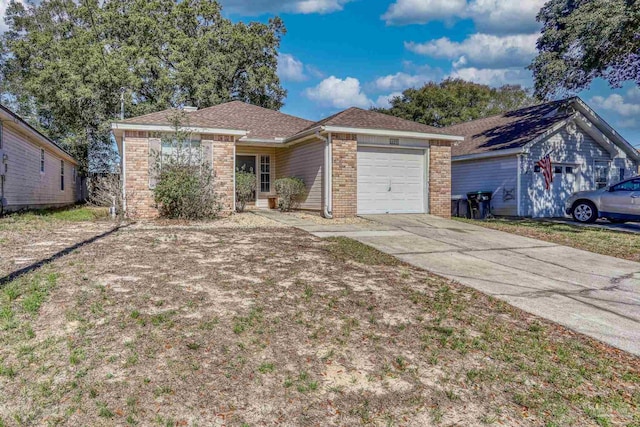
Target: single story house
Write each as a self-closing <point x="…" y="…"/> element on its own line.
<point x="35" y="172"/>
<point x="354" y="162"/>
<point x="500" y="154"/>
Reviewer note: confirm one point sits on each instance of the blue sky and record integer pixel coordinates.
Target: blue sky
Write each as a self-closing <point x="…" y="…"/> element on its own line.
<point x="342" y="53"/>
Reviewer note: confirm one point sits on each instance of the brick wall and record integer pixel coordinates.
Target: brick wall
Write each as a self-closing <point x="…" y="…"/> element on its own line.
<point x="140" y="202"/>
<point x="345" y="175"/>
<point x="223" y="168"/>
<point x="440" y="179"/>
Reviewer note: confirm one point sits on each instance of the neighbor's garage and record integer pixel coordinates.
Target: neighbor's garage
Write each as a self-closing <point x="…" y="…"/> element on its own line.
<point x="391" y="180"/>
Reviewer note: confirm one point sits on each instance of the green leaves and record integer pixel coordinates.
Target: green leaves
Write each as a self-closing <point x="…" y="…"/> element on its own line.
<point x="63" y="63"/>
<point x="456" y="101"/>
<point x="583" y="40"/>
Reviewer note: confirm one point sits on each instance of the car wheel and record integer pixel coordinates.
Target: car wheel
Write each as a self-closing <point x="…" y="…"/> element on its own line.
<point x="585" y="212"/>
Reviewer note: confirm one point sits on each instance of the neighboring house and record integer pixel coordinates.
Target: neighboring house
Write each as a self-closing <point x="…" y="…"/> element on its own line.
<point x="34" y="171"/>
<point x="355" y="162"/>
<point x="500" y="153"/>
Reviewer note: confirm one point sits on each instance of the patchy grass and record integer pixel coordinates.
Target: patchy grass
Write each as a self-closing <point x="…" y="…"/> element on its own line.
<point x="73" y="214"/>
<point x="273" y="326"/>
<point x="606" y="242"/>
<point x="343" y="248"/>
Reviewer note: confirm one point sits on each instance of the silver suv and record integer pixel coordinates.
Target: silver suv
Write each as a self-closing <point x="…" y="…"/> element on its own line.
<point x="617" y="203"/>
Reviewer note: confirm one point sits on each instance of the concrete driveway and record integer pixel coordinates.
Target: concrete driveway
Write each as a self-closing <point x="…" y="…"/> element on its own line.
<point x="593" y="294"/>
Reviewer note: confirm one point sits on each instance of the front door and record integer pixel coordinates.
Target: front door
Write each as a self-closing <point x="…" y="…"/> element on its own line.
<point x="247" y="164"/>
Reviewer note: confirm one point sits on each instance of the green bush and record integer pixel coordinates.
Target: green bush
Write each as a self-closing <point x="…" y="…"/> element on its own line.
<point x="290" y="192"/>
<point x="246" y="185"/>
<point x="186" y="192"/>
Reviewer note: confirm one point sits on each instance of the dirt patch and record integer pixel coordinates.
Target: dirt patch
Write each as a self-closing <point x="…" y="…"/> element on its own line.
<point x="270" y="326"/>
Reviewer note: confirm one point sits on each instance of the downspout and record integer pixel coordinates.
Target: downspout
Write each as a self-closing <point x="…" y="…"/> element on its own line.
<point x="428" y="178"/>
<point x="124" y="175"/>
<point x="328" y="159"/>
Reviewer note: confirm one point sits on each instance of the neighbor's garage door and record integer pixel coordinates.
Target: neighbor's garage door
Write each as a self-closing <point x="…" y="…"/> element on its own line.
<point x="391" y="180"/>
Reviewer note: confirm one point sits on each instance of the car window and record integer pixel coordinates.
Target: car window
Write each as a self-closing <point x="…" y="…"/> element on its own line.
<point x="633" y="185"/>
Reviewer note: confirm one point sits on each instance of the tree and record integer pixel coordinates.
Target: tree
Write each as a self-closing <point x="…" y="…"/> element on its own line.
<point x="63" y="63"/>
<point x="456" y="101"/>
<point x="587" y="39"/>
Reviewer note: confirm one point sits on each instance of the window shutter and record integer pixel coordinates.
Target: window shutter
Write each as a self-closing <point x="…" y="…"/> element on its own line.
<point x="207" y="153"/>
<point x="155" y="159"/>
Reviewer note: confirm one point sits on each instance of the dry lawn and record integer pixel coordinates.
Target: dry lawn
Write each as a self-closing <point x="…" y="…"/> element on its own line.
<point x="270" y="326"/>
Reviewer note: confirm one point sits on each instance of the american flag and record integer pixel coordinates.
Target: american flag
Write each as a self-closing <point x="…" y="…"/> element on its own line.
<point x="545" y="165"/>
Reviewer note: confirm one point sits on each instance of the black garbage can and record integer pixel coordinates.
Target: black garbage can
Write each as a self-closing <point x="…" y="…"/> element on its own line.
<point x="479" y="204"/>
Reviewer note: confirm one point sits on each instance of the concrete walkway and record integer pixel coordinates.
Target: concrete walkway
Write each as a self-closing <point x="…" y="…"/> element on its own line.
<point x="596" y="295"/>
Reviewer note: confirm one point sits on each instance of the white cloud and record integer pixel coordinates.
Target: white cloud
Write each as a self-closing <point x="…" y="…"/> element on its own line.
<point x="384" y="101"/>
<point x="481" y="50"/>
<point x="618" y="104"/>
<point x="422" y="11"/>
<point x="402" y="81"/>
<point x="289" y="68"/>
<point x="490" y="16"/>
<point x="257" y="7"/>
<point x="495" y="77"/>
<point x="339" y="93"/>
<point x="629" y="124"/>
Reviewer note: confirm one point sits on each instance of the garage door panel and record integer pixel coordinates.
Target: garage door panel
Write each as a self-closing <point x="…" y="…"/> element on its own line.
<point x="390" y="180"/>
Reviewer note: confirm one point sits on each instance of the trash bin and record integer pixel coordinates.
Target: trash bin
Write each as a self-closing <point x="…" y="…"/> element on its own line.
<point x="456" y="206"/>
<point x="479" y="204"/>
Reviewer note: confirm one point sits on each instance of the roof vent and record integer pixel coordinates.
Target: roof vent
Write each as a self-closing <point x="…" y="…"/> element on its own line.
<point x="188" y="109"/>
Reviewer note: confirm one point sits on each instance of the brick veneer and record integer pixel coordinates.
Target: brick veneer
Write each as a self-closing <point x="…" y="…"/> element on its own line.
<point x="440" y="179"/>
<point x="345" y="175"/>
<point x="223" y="168"/>
<point x="140" y="203"/>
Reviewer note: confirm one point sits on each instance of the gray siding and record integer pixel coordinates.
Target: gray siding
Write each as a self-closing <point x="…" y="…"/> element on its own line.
<point x="572" y="147"/>
<point x="25" y="186"/>
<point x="305" y="161"/>
<point x="496" y="174"/>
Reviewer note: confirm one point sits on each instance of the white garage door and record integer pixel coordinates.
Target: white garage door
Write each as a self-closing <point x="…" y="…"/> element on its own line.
<point x="391" y="180"/>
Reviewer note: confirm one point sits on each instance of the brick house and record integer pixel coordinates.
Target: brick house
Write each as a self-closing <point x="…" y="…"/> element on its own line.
<point x="354" y="162"/>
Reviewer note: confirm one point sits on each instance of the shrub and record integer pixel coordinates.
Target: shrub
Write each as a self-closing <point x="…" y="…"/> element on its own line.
<point x="246" y="184"/>
<point x="290" y="193"/>
<point x="186" y="192"/>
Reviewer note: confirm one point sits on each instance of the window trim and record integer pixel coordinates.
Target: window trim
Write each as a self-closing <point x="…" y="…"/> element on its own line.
<point x="601" y="184"/>
<point x="267" y="174"/>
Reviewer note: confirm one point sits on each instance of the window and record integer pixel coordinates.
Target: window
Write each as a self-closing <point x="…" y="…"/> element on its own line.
<point x="568" y="170"/>
<point x="557" y="169"/>
<point x="536" y="169"/>
<point x="602" y="173"/>
<point x="632" y="185"/>
<point x="61" y="175"/>
<point x="622" y="172"/>
<point x="42" y="160"/>
<point x="74" y="173"/>
<point x="265" y="174"/>
<point x="184" y="150"/>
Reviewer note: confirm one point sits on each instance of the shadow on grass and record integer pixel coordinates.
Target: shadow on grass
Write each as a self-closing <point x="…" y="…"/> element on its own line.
<point x="36" y="265"/>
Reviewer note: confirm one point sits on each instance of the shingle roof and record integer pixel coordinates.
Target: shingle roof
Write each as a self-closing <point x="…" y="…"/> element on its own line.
<point x="367" y="119"/>
<point x="510" y="130"/>
<point x="261" y="123"/>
